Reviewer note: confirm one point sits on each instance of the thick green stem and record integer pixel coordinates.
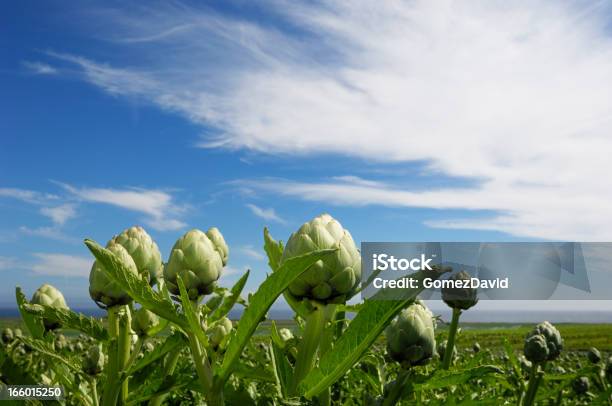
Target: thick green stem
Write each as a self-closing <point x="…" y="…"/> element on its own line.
<point x="534" y="380"/>
<point x="94" y="390"/>
<point x="450" y="343"/>
<point x="214" y="395"/>
<point x="325" y="346"/>
<point x="395" y="393"/>
<point x="169" y="365"/>
<point x="109" y="397"/>
<point x="123" y="349"/>
<point x="315" y="324"/>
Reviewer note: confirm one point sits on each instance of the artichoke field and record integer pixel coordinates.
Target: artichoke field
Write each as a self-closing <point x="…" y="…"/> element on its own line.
<point x="167" y="337"/>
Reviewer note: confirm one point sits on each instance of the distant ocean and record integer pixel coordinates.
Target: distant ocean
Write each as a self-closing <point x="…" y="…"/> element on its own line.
<point x="483" y="316"/>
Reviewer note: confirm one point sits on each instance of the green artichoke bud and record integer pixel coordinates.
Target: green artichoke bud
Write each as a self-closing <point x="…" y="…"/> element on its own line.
<point x="102" y="290"/>
<point x="143" y="250"/>
<point x="7" y="336"/>
<point x="218" y="331"/>
<point x="94" y="360"/>
<point x="199" y="259"/>
<point x="442" y="350"/>
<point x="594" y="355"/>
<point x="460" y="298"/>
<point x="333" y="279"/>
<point x="143" y="321"/>
<point x="476" y="347"/>
<point x="581" y="385"/>
<point x="410" y="335"/>
<point x="49" y="296"/>
<point x="60" y="342"/>
<point x="285" y="334"/>
<point x="543" y="343"/>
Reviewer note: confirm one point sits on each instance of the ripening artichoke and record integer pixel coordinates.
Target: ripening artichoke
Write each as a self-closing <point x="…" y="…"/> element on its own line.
<point x="143" y="250"/>
<point x="7" y="336"/>
<point x="410" y="335"/>
<point x="333" y="279"/>
<point x="581" y="385"/>
<point x="460" y="298"/>
<point x="49" y="296"/>
<point x="199" y="259"/>
<point x="543" y="343"/>
<point x="218" y="331"/>
<point x="476" y="347"/>
<point x="93" y="360"/>
<point x="594" y="355"/>
<point x="102" y="290"/>
<point x="285" y="334"/>
<point x="143" y="321"/>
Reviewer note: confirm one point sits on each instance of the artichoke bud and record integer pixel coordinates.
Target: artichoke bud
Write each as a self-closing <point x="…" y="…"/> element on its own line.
<point x="460" y="298"/>
<point x="144" y="321"/>
<point x="543" y="343"/>
<point x="476" y="347"/>
<point x="7" y="336"/>
<point x="60" y="342"/>
<point x="94" y="360"/>
<point x="143" y="250"/>
<point x="102" y="290"/>
<point x="333" y="279"/>
<point x="285" y="334"/>
<point x="198" y="260"/>
<point x="581" y="385"/>
<point x="411" y="337"/>
<point x="49" y="296"/>
<point x="218" y="331"/>
<point x="594" y="355"/>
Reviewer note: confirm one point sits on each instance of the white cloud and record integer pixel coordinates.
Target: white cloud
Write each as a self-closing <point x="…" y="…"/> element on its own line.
<point x="28" y="196"/>
<point x="159" y="207"/>
<point x="40" y="68"/>
<point x="515" y="95"/>
<point x="52" y="233"/>
<point x="252" y="253"/>
<point x="7" y="263"/>
<point x="61" y="265"/>
<point x="59" y="214"/>
<point x="266" y="214"/>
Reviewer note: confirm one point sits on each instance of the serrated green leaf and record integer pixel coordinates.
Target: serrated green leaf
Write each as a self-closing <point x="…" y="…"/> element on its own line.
<point x="365" y="328"/>
<point x="47" y="351"/>
<point x="444" y="378"/>
<point x="283" y="371"/>
<point x="230" y="301"/>
<point x="274" y="250"/>
<point x="172" y="342"/>
<point x="69" y="319"/>
<point x="33" y="324"/>
<point x="190" y="314"/>
<point x="137" y="288"/>
<point x="260" y="303"/>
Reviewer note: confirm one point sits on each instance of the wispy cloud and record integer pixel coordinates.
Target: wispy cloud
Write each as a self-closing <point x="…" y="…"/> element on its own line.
<point x="266" y="214"/>
<point x="40" y="68"/>
<point x="7" y="263"/>
<point x="513" y="95"/>
<point x="54" y="264"/>
<point x="59" y="214"/>
<point x="51" y="232"/>
<point x="28" y="196"/>
<point x="159" y="207"/>
<point x="252" y="253"/>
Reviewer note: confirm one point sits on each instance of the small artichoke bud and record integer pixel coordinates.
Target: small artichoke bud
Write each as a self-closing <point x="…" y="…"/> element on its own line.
<point x="7" y="336"/>
<point x="442" y="350"/>
<point x="218" y="331"/>
<point x="333" y="279"/>
<point x="410" y="336"/>
<point x="581" y="385"/>
<point x="143" y="321"/>
<point x="285" y="334"/>
<point x="143" y="250"/>
<point x="94" y="360"/>
<point x="476" y="348"/>
<point x="49" y="296"/>
<point x="148" y="346"/>
<point x="545" y="348"/>
<point x="199" y="259"/>
<point x="102" y="290"/>
<point x="60" y="342"/>
<point x="594" y="355"/>
<point x="79" y="346"/>
<point x="460" y="298"/>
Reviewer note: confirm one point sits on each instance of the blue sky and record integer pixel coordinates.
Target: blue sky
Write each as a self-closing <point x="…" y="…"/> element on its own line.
<point x="406" y="121"/>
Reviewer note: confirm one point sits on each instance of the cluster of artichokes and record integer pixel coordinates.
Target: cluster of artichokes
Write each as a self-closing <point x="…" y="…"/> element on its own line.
<point x="543" y="343"/>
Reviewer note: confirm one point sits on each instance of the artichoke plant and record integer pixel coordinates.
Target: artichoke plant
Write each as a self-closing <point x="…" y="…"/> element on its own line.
<point x="102" y="290"/>
<point x="543" y="343"/>
<point x="143" y="250"/>
<point x="7" y="336"/>
<point x="198" y="258"/>
<point x="330" y="280"/>
<point x="460" y="298"/>
<point x="581" y="385"/>
<point x="49" y="296"/>
<point x="411" y="337"/>
<point x="93" y="360"/>
<point x="144" y="321"/>
<point x="594" y="355"/>
<point x="218" y="331"/>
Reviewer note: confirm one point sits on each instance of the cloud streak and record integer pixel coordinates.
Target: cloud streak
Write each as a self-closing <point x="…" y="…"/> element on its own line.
<point x="266" y="214"/>
<point x="514" y="96"/>
<point x="54" y="264"/>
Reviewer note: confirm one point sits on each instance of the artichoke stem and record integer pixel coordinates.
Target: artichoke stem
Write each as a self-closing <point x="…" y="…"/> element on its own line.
<point x="124" y="343"/>
<point x="534" y="381"/>
<point x="169" y="365"/>
<point x="109" y="397"/>
<point x="204" y="370"/>
<point x="450" y="344"/>
<point x="396" y="391"/>
<point x="94" y="391"/>
<point x="315" y="324"/>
